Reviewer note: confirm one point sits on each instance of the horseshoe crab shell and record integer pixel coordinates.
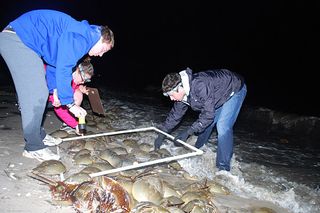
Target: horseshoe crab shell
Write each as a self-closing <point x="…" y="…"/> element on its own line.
<point x="144" y="207"/>
<point x="199" y="206"/>
<point x="130" y="144"/>
<point x="83" y="157"/>
<point x="94" y="145"/>
<point x="120" y="150"/>
<point x="146" y="147"/>
<point x="168" y="190"/>
<point x="90" y="169"/>
<point x="102" y="165"/>
<point x="142" y="190"/>
<point x="173" y="209"/>
<point x="172" y="201"/>
<point x="77" y="178"/>
<point x="102" y="194"/>
<point x="50" y="167"/>
<point x="217" y="188"/>
<point x="194" y="195"/>
<point x="75" y="146"/>
<point x="111" y="157"/>
<point x="59" y="134"/>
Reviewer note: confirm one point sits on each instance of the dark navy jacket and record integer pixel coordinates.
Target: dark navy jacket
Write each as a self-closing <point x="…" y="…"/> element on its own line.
<point x="61" y="41"/>
<point x="209" y="90"/>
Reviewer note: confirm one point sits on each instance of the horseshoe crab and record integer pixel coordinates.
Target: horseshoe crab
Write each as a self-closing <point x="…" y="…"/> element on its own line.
<point x="168" y="190"/>
<point x="199" y="206"/>
<point x="75" y="146"/>
<point x="130" y="144"/>
<point x="217" y="188"/>
<point x="90" y="169"/>
<point x="50" y="167"/>
<point x="59" y="134"/>
<point x="144" y="207"/>
<point x="210" y="186"/>
<point x="93" y="145"/>
<point x="91" y="123"/>
<point x="194" y="195"/>
<point x="172" y="201"/>
<point x="102" y="194"/>
<point x="143" y="190"/>
<point x="173" y="209"/>
<point x="141" y="156"/>
<point x="146" y="147"/>
<point x="104" y="126"/>
<point x="77" y="178"/>
<point x="83" y="157"/>
<point x="102" y="166"/>
<point x="120" y="150"/>
<point x="164" y="152"/>
<point x="111" y="157"/>
<point x="85" y="197"/>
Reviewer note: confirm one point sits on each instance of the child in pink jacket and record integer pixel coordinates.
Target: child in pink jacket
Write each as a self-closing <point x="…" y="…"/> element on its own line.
<point x="81" y="75"/>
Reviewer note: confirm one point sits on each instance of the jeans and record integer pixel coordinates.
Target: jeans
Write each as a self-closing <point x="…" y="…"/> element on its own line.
<point x="224" y="118"/>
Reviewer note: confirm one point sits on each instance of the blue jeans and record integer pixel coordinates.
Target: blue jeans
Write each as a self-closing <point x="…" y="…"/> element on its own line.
<point x="225" y="117"/>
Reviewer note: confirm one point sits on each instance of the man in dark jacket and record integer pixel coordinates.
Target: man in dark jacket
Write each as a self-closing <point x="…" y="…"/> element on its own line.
<point x="217" y="95"/>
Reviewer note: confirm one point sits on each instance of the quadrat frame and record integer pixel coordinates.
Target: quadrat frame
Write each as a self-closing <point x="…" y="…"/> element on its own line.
<point x="194" y="152"/>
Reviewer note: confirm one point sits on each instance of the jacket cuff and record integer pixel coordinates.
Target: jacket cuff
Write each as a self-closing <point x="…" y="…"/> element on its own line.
<point x="70" y="105"/>
<point x="190" y="131"/>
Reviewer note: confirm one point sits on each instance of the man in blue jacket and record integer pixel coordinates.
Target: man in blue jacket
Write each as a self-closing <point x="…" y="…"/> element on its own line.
<point x="57" y="39"/>
<point x="217" y="95"/>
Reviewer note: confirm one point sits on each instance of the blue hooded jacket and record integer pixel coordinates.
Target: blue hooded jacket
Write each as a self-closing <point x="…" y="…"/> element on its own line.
<point x="60" y="41"/>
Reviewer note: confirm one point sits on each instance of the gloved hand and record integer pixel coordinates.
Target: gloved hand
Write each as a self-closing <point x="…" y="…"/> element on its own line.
<point x="158" y="142"/>
<point x="184" y="135"/>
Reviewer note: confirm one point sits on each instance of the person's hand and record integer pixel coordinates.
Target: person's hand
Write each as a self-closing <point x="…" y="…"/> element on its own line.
<point x="56" y="102"/>
<point x="158" y="142"/>
<point x="78" y="111"/>
<point x="84" y="89"/>
<point x="77" y="130"/>
<point x="184" y="135"/>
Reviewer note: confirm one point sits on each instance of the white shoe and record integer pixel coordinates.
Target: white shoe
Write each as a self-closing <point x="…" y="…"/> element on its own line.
<point x="63" y="125"/>
<point x="51" y="141"/>
<point x="41" y="154"/>
<point x="68" y="129"/>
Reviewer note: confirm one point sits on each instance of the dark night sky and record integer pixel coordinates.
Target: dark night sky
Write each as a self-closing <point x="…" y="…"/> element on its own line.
<point x="273" y="44"/>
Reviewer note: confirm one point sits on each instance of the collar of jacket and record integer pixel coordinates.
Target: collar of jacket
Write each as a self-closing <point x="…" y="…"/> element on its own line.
<point x="185" y="84"/>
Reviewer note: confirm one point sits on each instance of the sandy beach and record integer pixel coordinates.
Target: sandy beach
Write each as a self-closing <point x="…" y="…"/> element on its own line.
<point x="21" y="193"/>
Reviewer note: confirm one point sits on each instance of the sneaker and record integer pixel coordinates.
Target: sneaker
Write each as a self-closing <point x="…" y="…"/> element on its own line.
<point x="68" y="129"/>
<point x="51" y="141"/>
<point x="63" y="125"/>
<point x="41" y="155"/>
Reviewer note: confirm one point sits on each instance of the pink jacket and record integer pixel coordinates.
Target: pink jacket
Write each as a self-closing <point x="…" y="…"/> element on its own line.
<point x="63" y="113"/>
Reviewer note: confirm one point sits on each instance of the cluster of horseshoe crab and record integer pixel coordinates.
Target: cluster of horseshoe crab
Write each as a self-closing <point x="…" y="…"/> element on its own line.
<point x="159" y="188"/>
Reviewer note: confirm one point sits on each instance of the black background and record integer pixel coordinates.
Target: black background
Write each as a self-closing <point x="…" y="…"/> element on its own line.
<point x="273" y="44"/>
